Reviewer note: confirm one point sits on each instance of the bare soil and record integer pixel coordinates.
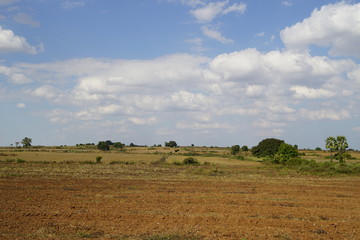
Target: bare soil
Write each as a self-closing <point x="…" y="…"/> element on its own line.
<point x="55" y="201"/>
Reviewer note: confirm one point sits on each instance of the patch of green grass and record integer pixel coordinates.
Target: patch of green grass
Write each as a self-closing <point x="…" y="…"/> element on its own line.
<point x="123" y="162"/>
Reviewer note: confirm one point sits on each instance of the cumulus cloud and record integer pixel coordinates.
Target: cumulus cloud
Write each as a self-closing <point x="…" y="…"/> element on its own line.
<point x="336" y="26"/>
<point x="9" y="42"/>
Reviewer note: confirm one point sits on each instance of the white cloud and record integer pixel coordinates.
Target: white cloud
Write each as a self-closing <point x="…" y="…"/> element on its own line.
<point x="9" y="42"/>
<point x="236" y="7"/>
<point x="325" y="114"/>
<point x="143" y="121"/>
<point x="215" y="34"/>
<point x="336" y="26"/>
<point x="210" y="11"/>
<point x="14" y="75"/>
<point x="201" y="126"/>
<point x="27" y="19"/>
<point x="305" y="92"/>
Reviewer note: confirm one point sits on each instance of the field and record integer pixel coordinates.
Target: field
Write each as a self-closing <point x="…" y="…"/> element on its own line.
<point x="147" y="193"/>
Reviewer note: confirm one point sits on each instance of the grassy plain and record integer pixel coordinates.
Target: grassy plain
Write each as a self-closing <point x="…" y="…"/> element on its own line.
<point x="147" y="193"/>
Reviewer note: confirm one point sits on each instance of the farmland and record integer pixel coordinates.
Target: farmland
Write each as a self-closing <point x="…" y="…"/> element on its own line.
<point x="148" y="193"/>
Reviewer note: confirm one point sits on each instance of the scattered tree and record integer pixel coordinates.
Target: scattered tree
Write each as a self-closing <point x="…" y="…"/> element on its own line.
<point x="26" y="142"/>
<point x="171" y="144"/>
<point x="244" y="148"/>
<point x="235" y="149"/>
<point x="267" y="147"/>
<point x="330" y="143"/>
<point x="118" y="145"/>
<point x="103" y="146"/>
<point x="338" y="144"/>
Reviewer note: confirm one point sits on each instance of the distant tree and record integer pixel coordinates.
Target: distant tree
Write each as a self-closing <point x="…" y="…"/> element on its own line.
<point x="108" y="142"/>
<point x="244" y="148"/>
<point x="132" y="145"/>
<point x="17" y="144"/>
<point x="118" y="145"/>
<point x="171" y="144"/>
<point x="331" y="144"/>
<point x="267" y="147"/>
<point x="235" y="149"/>
<point x="103" y="146"/>
<point x="318" y="149"/>
<point x="26" y="142"/>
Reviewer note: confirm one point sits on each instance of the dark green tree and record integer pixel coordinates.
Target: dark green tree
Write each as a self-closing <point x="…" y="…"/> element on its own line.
<point x="244" y="148"/>
<point x="235" y="149"/>
<point x="171" y="144"/>
<point x="103" y="146"/>
<point x="267" y="147"/>
<point x="26" y="142"/>
<point x="118" y="145"/>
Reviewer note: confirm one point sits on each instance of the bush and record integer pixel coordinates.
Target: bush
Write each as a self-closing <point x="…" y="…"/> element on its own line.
<point x="98" y="159"/>
<point x="190" y="161"/>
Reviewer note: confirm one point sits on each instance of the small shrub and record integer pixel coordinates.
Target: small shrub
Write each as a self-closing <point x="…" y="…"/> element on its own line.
<point x="98" y="159"/>
<point x="191" y="161"/>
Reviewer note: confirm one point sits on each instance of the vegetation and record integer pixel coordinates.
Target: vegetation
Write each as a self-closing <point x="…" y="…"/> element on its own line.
<point x="338" y="144"/>
<point x="171" y="144"/>
<point x="103" y="146"/>
<point x="267" y="147"/>
<point x="26" y="142"/>
<point x="235" y="149"/>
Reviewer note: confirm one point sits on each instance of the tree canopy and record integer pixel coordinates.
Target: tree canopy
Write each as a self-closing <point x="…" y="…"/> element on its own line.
<point x="26" y="142"/>
<point x="267" y="147"/>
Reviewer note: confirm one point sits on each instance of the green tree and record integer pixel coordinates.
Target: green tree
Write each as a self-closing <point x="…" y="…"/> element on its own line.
<point x="171" y="144"/>
<point x="103" y="146"/>
<point x="338" y="144"/>
<point x="244" y="148"/>
<point x="331" y="144"/>
<point x="285" y="153"/>
<point x="267" y="147"/>
<point x="235" y="149"/>
<point x="26" y="142"/>
<point x="342" y="145"/>
<point x="118" y="145"/>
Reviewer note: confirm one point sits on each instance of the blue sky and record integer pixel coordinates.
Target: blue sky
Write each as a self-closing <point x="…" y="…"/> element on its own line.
<point x="203" y="72"/>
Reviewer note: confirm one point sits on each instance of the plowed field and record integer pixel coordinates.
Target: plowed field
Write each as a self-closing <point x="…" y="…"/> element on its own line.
<point x="142" y="201"/>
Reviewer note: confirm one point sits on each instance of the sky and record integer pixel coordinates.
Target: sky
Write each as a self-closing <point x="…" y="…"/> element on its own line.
<point x="202" y="72"/>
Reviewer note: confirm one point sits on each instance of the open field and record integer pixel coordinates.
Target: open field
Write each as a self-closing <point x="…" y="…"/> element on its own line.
<point x="58" y="193"/>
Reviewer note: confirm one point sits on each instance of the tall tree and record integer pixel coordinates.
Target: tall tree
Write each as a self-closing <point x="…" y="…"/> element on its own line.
<point x="342" y="145"/>
<point x="331" y="144"/>
<point x="26" y="142"/>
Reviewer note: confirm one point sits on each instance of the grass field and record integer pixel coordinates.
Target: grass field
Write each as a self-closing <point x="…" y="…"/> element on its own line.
<point x="148" y="193"/>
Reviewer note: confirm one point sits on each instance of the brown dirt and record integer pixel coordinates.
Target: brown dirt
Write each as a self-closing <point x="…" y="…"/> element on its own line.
<point x="249" y="207"/>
